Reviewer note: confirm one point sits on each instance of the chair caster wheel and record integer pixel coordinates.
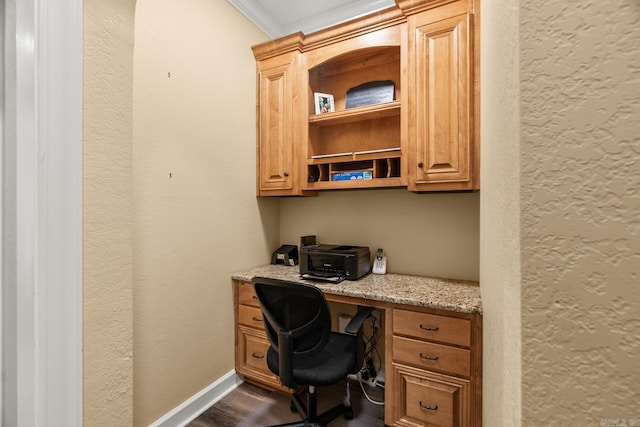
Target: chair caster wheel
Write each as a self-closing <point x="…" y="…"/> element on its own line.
<point x="348" y="413"/>
<point x="292" y="407"/>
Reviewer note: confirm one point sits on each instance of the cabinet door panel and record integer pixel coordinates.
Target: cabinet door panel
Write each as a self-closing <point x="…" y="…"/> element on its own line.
<point x="426" y="398"/>
<point x="275" y="128"/>
<point x="432" y="402"/>
<point x="251" y="361"/>
<point x="255" y="354"/>
<point x="443" y="103"/>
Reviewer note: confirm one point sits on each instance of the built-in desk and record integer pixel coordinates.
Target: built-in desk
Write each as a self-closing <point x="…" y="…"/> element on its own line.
<point x="432" y="341"/>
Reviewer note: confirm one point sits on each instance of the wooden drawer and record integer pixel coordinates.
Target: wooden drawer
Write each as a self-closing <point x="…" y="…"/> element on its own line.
<point x="251" y="358"/>
<point x="247" y="295"/>
<point x="450" y="330"/>
<point x="437" y="357"/>
<point x="432" y="402"/>
<point x="429" y="399"/>
<point x="250" y="316"/>
<point x="255" y="353"/>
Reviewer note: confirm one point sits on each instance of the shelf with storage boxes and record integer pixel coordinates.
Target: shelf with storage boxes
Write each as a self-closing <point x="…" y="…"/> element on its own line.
<point x="356" y="147"/>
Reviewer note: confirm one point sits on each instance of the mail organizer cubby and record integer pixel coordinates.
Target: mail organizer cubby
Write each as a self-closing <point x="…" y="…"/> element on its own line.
<point x="358" y="172"/>
<point x="355" y="147"/>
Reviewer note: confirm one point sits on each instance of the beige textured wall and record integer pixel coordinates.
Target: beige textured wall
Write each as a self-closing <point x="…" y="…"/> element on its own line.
<point x="580" y="198"/>
<point x="107" y="226"/>
<point x="500" y="214"/>
<point x="196" y="217"/>
<point x="425" y="234"/>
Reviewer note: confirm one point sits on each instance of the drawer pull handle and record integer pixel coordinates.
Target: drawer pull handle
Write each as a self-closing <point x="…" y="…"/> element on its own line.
<point x="257" y="356"/>
<point x="429" y="407"/>
<point x="429" y="328"/>
<point x="254" y="297"/>
<point x="256" y="319"/>
<point x="427" y="357"/>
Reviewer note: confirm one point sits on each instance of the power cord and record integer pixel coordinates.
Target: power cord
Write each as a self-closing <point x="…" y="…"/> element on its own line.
<point x="366" y="395"/>
<point x="371" y="353"/>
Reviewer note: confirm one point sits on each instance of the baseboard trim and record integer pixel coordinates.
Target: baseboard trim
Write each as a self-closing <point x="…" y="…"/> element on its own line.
<point x="196" y="404"/>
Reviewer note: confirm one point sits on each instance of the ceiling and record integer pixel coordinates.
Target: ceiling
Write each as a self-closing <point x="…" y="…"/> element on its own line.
<point x="281" y="17"/>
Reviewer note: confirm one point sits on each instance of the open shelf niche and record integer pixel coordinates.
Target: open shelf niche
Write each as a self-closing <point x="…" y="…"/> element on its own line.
<point x="363" y="141"/>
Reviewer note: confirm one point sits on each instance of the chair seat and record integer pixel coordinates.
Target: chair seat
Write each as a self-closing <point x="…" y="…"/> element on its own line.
<point x="328" y="367"/>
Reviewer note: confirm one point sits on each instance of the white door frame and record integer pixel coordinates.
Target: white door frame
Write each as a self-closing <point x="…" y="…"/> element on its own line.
<point x="42" y="212"/>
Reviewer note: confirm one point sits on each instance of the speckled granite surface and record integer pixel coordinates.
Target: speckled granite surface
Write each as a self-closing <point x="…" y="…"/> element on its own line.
<point x="446" y="294"/>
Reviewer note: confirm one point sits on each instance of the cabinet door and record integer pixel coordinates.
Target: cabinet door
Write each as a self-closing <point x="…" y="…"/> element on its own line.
<point x="275" y="127"/>
<point x="251" y="357"/>
<point x="440" y="139"/>
<point x="424" y="398"/>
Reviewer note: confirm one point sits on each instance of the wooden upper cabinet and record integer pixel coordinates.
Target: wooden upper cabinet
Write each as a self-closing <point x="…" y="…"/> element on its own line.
<point x="278" y="122"/>
<point x="425" y="138"/>
<point x="275" y="129"/>
<point x="441" y="145"/>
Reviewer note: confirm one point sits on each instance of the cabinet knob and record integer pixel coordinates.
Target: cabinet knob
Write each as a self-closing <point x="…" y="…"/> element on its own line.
<point x="286" y="174"/>
<point x="420" y="164"/>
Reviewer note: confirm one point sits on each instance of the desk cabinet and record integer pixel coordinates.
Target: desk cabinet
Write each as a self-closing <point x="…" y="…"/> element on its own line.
<point x="435" y="369"/>
<point x="433" y="359"/>
<point x="251" y="340"/>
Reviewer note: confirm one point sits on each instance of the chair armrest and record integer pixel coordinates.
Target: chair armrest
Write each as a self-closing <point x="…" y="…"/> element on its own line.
<point x="285" y="358"/>
<point x="357" y="321"/>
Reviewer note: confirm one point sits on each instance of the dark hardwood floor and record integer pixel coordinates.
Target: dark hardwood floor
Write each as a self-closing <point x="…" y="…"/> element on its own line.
<point x="251" y="406"/>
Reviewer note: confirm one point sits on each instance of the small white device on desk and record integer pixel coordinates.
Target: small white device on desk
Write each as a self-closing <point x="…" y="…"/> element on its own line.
<point x="380" y="263"/>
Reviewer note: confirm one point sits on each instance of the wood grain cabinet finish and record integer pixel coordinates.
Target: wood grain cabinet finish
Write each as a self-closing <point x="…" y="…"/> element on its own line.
<point x="440" y="149"/>
<point x="278" y="124"/>
<point x="430" y="399"/>
<point x="425" y="326"/>
<point x="432" y="358"/>
<point x="251" y="341"/>
<point x="275" y="128"/>
<point x="436" y="369"/>
<point x="425" y="139"/>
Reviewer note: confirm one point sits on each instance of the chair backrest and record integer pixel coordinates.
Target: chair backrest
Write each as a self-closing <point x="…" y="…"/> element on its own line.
<point x="297" y="321"/>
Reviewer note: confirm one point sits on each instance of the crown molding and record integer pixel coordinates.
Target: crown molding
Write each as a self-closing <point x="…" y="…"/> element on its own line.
<point x="263" y="14"/>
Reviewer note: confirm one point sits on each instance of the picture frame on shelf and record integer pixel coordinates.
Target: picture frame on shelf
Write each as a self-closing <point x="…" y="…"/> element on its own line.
<point x="324" y="103"/>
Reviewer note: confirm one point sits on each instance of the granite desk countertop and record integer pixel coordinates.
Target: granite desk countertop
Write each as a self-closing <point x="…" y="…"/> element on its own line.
<point x="446" y="294"/>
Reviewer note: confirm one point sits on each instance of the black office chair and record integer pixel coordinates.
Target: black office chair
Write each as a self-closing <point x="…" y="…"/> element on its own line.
<point x="303" y="349"/>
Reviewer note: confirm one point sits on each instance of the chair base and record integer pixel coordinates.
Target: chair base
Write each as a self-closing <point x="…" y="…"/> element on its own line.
<point x="309" y="411"/>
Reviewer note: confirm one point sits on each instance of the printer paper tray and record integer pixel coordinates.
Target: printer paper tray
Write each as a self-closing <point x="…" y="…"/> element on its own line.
<point x="323" y="277"/>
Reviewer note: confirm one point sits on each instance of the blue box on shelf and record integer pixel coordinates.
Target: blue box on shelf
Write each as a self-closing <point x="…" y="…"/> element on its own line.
<point x="354" y="175"/>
